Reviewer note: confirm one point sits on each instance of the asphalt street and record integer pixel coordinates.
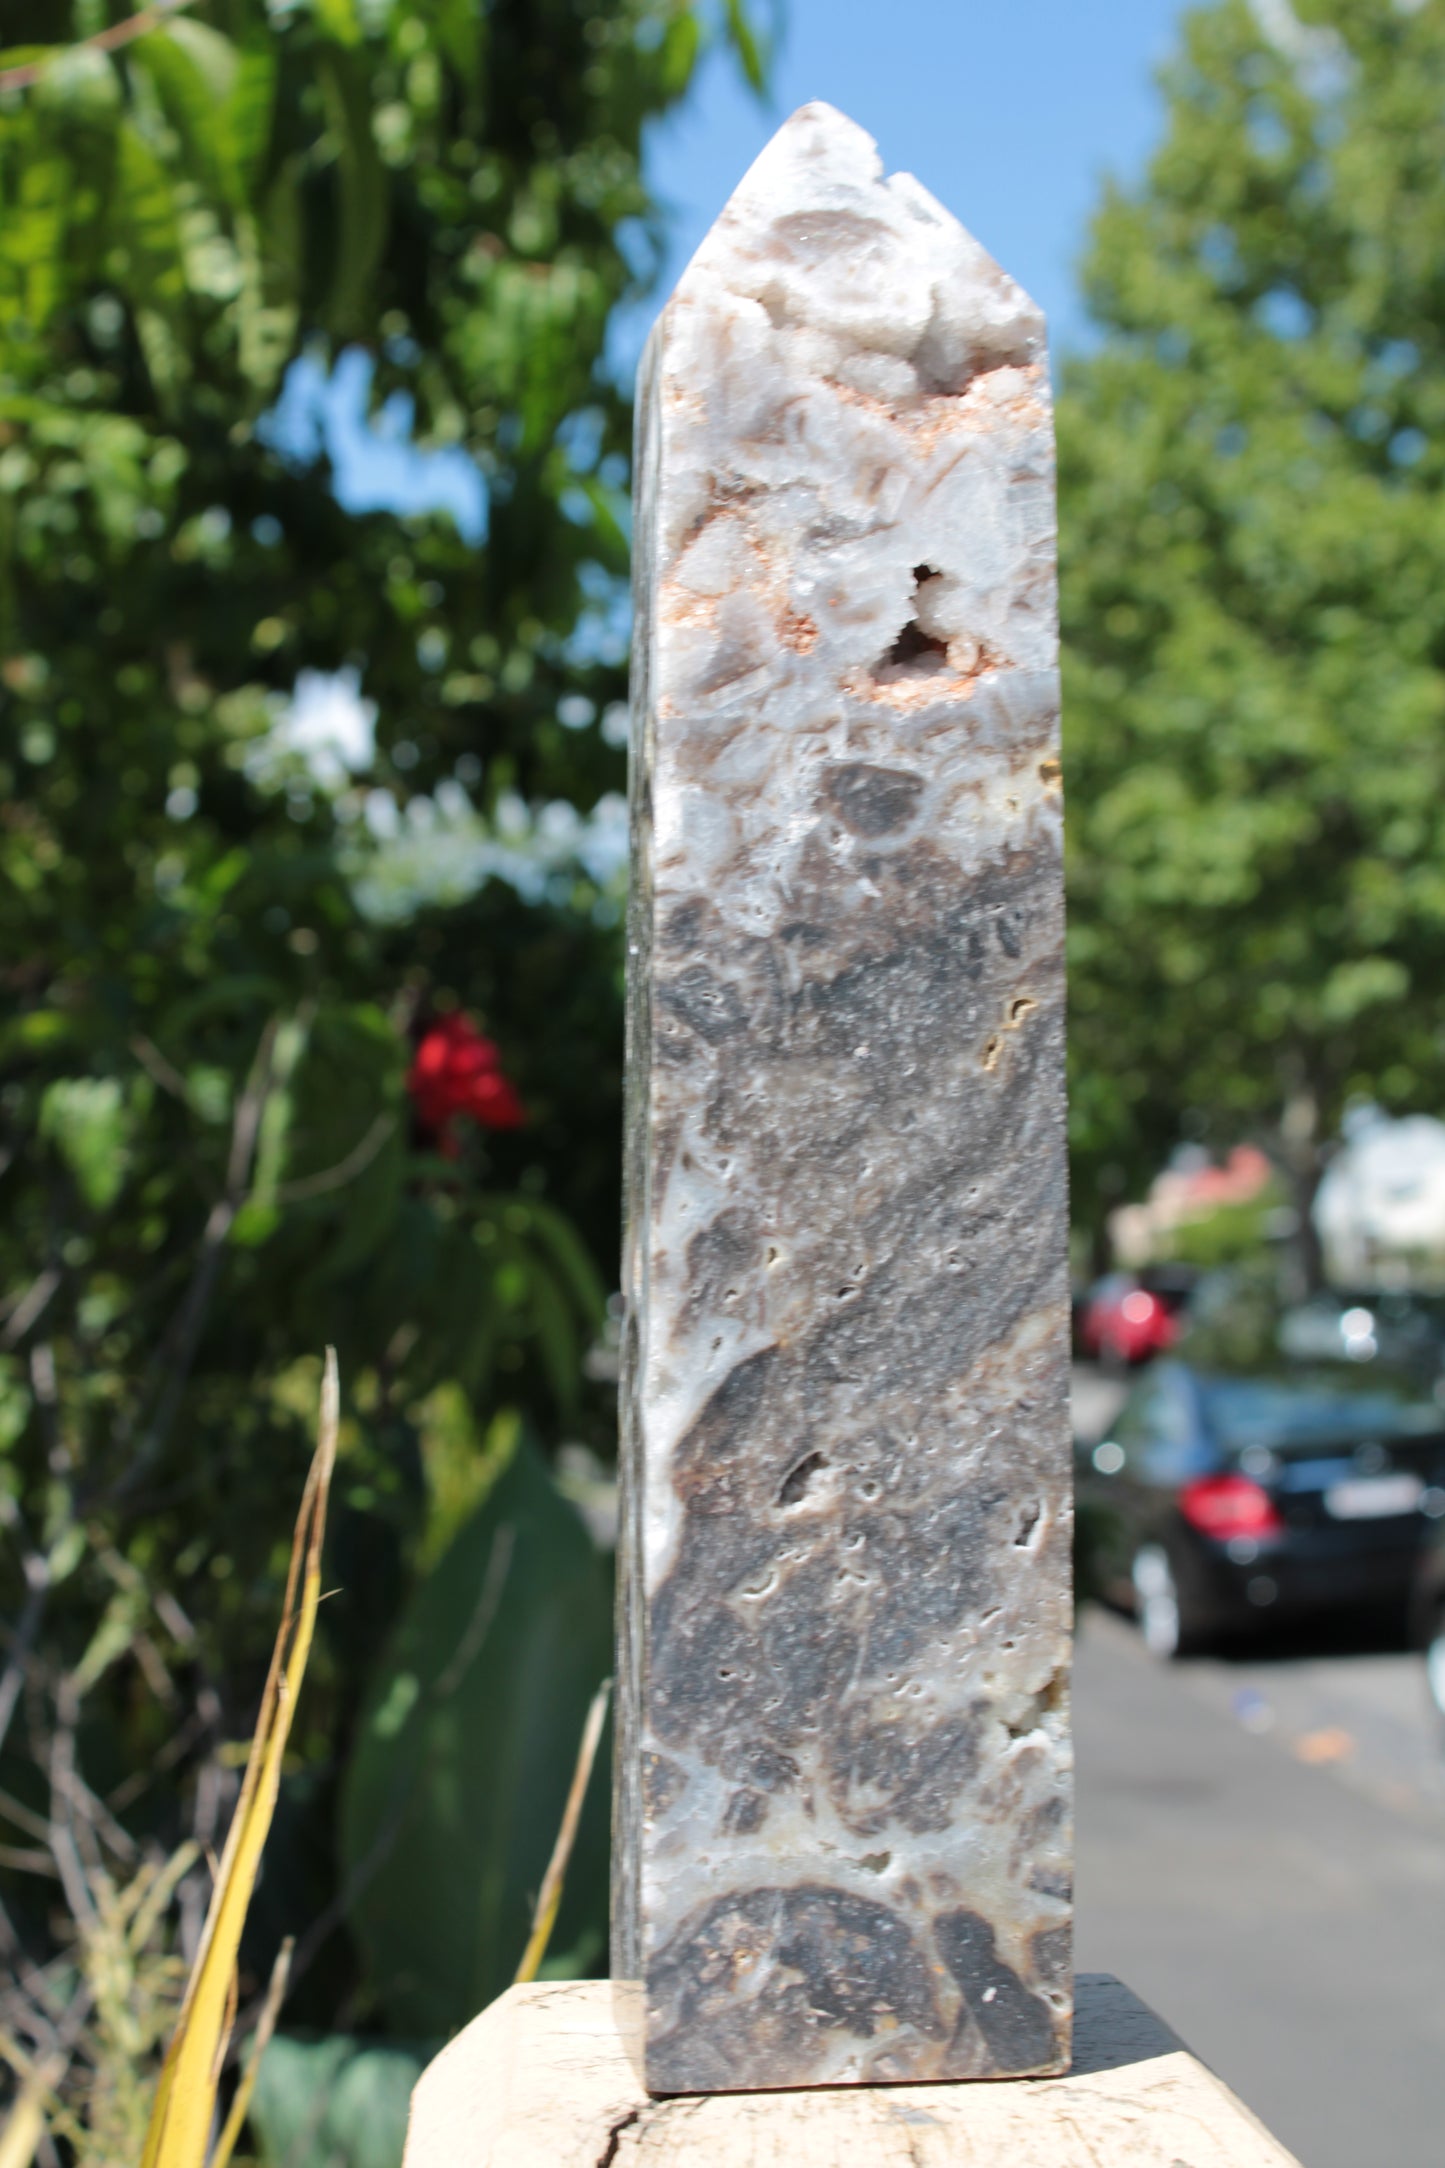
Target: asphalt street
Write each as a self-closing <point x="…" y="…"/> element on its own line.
<point x="1262" y="1857"/>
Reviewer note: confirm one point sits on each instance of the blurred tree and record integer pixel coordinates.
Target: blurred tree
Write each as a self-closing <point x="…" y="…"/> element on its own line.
<point x="284" y="788"/>
<point x="1254" y="599"/>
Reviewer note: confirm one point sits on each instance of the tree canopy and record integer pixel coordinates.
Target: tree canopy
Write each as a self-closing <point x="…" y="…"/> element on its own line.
<point x="1253" y="581"/>
<point x="277" y="989"/>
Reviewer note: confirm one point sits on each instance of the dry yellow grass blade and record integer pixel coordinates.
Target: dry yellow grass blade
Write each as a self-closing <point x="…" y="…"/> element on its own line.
<point x="24" y="2125"/>
<point x="549" y="1897"/>
<point x="265" y="2026"/>
<point x="181" y="2118"/>
<point x="34" y="2109"/>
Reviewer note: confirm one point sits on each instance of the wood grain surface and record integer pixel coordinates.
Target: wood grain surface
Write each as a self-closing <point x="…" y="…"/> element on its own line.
<point x="548" y="2078"/>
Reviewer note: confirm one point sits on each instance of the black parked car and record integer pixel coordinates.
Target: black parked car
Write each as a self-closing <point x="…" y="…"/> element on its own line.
<point x="1228" y="1500"/>
<point x="1429" y="1618"/>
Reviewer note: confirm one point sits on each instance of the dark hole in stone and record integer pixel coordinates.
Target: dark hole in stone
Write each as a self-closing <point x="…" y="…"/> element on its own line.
<point x="1044" y="1703"/>
<point x="915" y="650"/>
<point x="796" y="1482"/>
<point x="1027" y="1526"/>
<point x="913" y="647"/>
<point x="875" y="1862"/>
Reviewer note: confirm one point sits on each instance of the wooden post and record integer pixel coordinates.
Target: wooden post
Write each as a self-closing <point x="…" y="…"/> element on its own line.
<point x="549" y="2078"/>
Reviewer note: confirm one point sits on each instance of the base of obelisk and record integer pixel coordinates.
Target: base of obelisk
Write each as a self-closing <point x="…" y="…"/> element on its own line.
<point x="547" y="2077"/>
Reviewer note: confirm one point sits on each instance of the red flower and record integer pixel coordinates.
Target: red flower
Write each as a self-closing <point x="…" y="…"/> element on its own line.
<point x="455" y="1071"/>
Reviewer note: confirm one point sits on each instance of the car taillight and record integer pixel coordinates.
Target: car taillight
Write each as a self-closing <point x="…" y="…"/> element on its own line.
<point x="1229" y="1505"/>
<point x="1138" y="1307"/>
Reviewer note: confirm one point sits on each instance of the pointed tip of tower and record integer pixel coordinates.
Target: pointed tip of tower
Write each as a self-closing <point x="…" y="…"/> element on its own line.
<point x="822" y="238"/>
<point x="815" y="158"/>
<point x="818" y="136"/>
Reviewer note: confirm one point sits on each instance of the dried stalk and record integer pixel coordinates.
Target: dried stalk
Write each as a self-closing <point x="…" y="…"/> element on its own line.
<point x="186" y="2095"/>
<point x="549" y="1897"/>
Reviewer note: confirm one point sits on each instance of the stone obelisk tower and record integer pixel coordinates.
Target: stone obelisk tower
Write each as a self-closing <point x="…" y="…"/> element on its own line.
<point x="843" y="1822"/>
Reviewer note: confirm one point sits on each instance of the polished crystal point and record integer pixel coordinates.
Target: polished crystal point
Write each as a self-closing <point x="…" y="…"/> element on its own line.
<point x="843" y="1822"/>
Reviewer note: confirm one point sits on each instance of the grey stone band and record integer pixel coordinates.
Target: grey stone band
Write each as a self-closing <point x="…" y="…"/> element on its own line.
<point x="843" y="1822"/>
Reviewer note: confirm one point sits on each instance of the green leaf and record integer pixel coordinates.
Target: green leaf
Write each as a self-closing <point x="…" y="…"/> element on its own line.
<point x="465" y="1753"/>
<point x="196" y="72"/>
<point x="557" y="1339"/>
<point x="81" y="83"/>
<point x="273" y="1136"/>
<point x="559" y="1239"/>
<point x="86" y="1118"/>
<point x="746" y="42"/>
<point x="66" y="1553"/>
<point x="681" y="45"/>
<point x="42" y="1028"/>
<point x="361" y="218"/>
<point x="460" y="30"/>
<point x="254" y="1224"/>
<point x="26" y="56"/>
<point x="251" y="106"/>
<point x="114" y="1637"/>
<point x="334" y="2103"/>
<point x="339" y="19"/>
<point x="1367" y="982"/>
<point x="609" y="523"/>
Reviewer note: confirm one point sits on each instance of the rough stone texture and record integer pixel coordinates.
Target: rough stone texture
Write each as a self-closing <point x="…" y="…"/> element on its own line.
<point x="843" y="1823"/>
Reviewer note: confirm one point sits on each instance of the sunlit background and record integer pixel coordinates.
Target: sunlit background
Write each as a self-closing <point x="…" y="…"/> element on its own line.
<point x="317" y="324"/>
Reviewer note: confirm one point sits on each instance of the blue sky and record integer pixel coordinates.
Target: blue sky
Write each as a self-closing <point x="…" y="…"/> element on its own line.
<point x="1011" y="111"/>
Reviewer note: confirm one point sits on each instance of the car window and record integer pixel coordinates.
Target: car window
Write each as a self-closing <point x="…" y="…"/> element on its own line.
<point x="1316" y="1406"/>
<point x="1157" y="1431"/>
<point x="1137" y="1419"/>
<point x="1176" y="1450"/>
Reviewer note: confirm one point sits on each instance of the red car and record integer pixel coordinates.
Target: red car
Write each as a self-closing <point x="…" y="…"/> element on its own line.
<point x="1126" y="1318"/>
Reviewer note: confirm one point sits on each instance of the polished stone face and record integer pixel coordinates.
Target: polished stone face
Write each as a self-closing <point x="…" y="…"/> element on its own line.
<point x="843" y="1825"/>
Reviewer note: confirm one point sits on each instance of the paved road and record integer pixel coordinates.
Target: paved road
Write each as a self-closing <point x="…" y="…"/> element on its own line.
<point x="1262" y="1856"/>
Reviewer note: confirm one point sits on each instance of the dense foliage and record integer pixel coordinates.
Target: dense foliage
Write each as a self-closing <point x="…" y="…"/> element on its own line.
<point x="1254" y="598"/>
<point x="243" y="958"/>
<point x="311" y="1029"/>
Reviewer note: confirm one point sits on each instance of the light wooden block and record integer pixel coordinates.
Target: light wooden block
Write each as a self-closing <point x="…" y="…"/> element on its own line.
<point x="548" y="2077"/>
